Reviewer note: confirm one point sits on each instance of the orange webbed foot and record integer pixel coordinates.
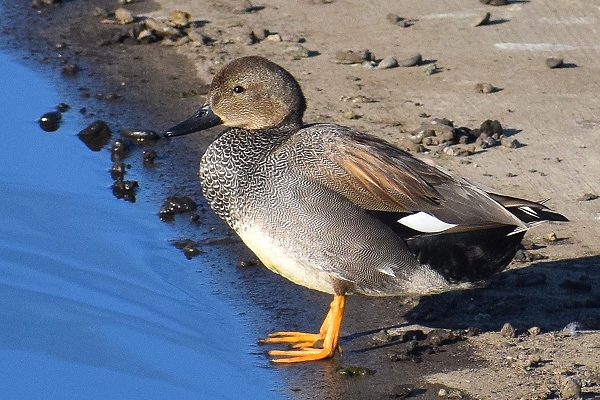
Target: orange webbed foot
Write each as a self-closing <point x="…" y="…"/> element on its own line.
<point x="311" y="346"/>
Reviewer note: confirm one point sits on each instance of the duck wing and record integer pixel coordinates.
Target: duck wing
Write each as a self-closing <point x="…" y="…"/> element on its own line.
<point x="379" y="177"/>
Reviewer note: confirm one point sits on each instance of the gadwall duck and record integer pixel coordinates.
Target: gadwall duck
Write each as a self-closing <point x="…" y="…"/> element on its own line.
<point x="340" y="211"/>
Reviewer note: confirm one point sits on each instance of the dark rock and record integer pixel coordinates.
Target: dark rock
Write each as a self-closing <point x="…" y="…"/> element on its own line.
<point x="148" y="156"/>
<point x="63" y="107"/>
<point x="176" y="205"/>
<point x="553" y="62"/>
<point x="124" y="190"/>
<point x="119" y="149"/>
<point x="139" y="135"/>
<point x="70" y="69"/>
<point x="96" y="135"/>
<point x="117" y="171"/>
<point x="50" y="121"/>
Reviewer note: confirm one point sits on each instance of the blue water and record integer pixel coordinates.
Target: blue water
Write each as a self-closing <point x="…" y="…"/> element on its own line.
<point x="95" y="303"/>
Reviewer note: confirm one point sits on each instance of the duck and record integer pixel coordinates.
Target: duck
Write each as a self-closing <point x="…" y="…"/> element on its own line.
<point x="341" y="211"/>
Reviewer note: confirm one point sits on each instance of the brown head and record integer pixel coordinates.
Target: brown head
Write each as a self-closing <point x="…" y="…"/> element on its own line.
<point x="248" y="93"/>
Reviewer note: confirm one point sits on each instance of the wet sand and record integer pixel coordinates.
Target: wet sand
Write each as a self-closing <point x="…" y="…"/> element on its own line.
<point x="554" y="113"/>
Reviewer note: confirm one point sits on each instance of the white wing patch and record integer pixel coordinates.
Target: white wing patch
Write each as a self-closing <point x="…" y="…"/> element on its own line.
<point x="425" y="223"/>
<point x="530" y="211"/>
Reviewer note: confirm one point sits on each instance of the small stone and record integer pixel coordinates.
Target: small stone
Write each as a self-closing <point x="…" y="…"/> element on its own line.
<point x="388" y="62"/>
<point x="123" y="16"/>
<point x="274" y="37"/>
<point x="260" y="33"/>
<point x="534" y="330"/>
<point x="139" y="135"/>
<point x="588" y="197"/>
<point x="50" y="121"/>
<point x="570" y="388"/>
<point x="494" y="2"/>
<point x="554" y="62"/>
<point x="63" y="107"/>
<point x="96" y="135"/>
<point x="431" y="69"/>
<point x="148" y="156"/>
<point x="296" y="52"/>
<point x="491" y="127"/>
<point x="117" y="171"/>
<point x="146" y="36"/>
<point x="411" y="61"/>
<point x="119" y="149"/>
<point x="511" y="143"/>
<point x="437" y="337"/>
<point x="179" y="18"/>
<point x="442" y="393"/>
<point x="124" y="190"/>
<point x="485" y="88"/>
<point x="70" y="69"/>
<point x="482" y="20"/>
<point x="100" y="12"/>
<point x="176" y="205"/>
<point x="352" y="57"/>
<point x="350" y="115"/>
<point x="508" y="331"/>
<point x="550" y="237"/>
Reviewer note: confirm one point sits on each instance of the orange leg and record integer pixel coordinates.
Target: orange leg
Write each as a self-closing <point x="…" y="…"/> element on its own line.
<point x="304" y="343"/>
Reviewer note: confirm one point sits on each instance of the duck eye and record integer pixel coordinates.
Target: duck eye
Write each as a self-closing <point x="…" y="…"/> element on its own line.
<point x="238" y="89"/>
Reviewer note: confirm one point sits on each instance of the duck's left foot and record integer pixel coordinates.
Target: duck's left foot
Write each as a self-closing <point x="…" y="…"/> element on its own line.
<point x="305" y="344"/>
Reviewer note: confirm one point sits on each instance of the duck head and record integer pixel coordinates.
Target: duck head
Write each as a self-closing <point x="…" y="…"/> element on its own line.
<point x="248" y="93"/>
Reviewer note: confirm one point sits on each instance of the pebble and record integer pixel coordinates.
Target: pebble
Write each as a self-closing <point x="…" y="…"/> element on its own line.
<point x="117" y="171"/>
<point x="274" y="37"/>
<point x="570" y="388"/>
<point x="176" y="205"/>
<point x="63" y="107"/>
<point x="179" y="18"/>
<point x="123" y="16"/>
<point x="148" y="156"/>
<point x="397" y="20"/>
<point x="69" y="70"/>
<point x="388" y="62"/>
<point x="553" y="62"/>
<point x="100" y="12"/>
<point x="431" y="69"/>
<point x="139" y="135"/>
<point x="352" y="57"/>
<point x="260" y="33"/>
<point x="511" y="143"/>
<point x="124" y="190"/>
<point x="146" y="36"/>
<point x="508" y="331"/>
<point x="494" y="2"/>
<point x="411" y="61"/>
<point x="350" y="115"/>
<point x="96" y="135"/>
<point x="485" y="88"/>
<point x="119" y="149"/>
<point x="588" y="197"/>
<point x="44" y="3"/>
<point x="296" y="52"/>
<point x="534" y="330"/>
<point x="482" y="20"/>
<point x="50" y="121"/>
<point x="436" y="337"/>
<point x="352" y="371"/>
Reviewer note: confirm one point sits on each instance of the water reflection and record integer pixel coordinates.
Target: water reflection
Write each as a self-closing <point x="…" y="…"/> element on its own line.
<point x="93" y="301"/>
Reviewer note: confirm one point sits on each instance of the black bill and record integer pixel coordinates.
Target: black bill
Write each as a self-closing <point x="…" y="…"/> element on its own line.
<point x="204" y="118"/>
